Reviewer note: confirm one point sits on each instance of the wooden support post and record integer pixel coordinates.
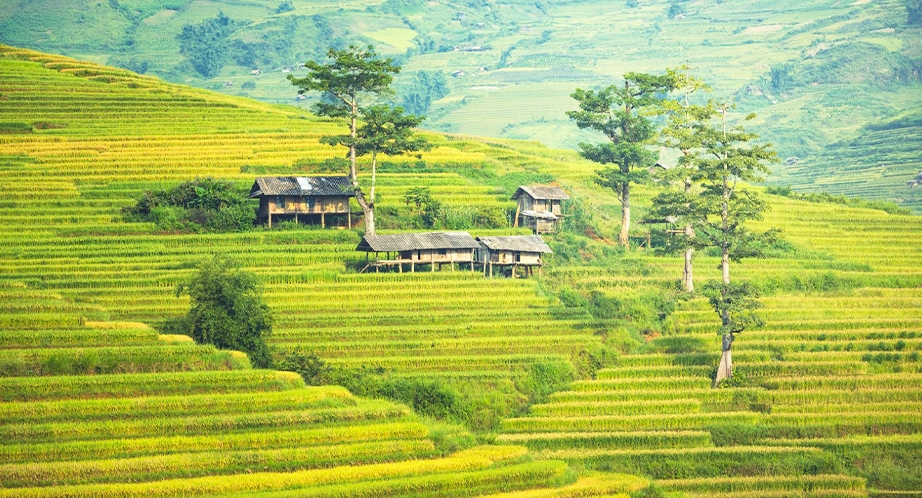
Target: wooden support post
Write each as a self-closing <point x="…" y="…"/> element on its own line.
<point x="432" y="259"/>
<point x="491" y="269"/>
<point x="412" y="266"/>
<point x="401" y="267"/>
<point x="349" y="218"/>
<point x="472" y="260"/>
<point x="270" y="219"/>
<point x="296" y="217"/>
<point x="322" y="221"/>
<point x="514" y="268"/>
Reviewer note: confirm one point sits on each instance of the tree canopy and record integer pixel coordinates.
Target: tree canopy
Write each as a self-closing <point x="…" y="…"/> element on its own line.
<point x="352" y="86"/>
<point x="227" y="309"/>
<point x="616" y="112"/>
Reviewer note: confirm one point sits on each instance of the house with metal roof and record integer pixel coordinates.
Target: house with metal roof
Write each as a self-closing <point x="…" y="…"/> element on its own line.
<point x="304" y="199"/>
<point x="414" y="249"/>
<point x="512" y="251"/>
<point x="539" y="207"/>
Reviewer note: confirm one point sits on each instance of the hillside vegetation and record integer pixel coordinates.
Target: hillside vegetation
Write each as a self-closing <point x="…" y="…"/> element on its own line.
<point x="816" y="72"/>
<point x="97" y="402"/>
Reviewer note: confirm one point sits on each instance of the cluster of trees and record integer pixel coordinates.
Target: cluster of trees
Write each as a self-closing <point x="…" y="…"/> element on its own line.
<point x="704" y="191"/>
<point x="203" y="204"/>
<point x="210" y="45"/>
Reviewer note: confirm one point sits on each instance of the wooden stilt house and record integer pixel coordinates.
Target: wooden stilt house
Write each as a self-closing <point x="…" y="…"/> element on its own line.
<point x="322" y="200"/>
<point x="539" y="207"/>
<point x="524" y="251"/>
<point x="414" y="249"/>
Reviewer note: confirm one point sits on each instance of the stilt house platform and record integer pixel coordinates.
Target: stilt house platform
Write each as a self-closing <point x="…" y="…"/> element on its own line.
<point x="322" y="200"/>
<point x="415" y="249"/>
<point x="539" y="207"/>
<point x="512" y="251"/>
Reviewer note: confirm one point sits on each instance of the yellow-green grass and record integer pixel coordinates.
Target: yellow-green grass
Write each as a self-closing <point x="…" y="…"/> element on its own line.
<point x="836" y="357"/>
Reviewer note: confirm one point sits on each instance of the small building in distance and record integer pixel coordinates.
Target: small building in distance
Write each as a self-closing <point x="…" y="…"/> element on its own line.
<point x="539" y="207"/>
<point x="512" y="251"/>
<point x="304" y="199"/>
<point x="412" y="249"/>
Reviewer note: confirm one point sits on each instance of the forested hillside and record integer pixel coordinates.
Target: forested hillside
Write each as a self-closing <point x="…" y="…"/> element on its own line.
<point x="589" y="381"/>
<point x="816" y="72"/>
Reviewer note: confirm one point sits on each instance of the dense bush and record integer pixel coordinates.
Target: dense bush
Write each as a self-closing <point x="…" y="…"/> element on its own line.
<point x="227" y="309"/>
<point x="203" y="204"/>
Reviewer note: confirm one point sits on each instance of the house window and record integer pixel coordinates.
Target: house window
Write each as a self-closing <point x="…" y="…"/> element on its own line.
<point x="280" y="201"/>
<point x="443" y="252"/>
<point x="518" y="257"/>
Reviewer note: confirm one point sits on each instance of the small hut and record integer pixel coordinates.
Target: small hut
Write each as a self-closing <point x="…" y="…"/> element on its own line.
<point x="513" y="251"/>
<point x="307" y="199"/>
<point x="539" y="207"/>
<point x="412" y="249"/>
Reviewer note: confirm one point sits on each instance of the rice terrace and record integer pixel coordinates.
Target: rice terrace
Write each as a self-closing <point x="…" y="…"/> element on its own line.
<point x="455" y="248"/>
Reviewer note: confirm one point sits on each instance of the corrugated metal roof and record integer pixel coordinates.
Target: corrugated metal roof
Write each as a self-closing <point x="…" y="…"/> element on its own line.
<point x="521" y="243"/>
<point x="416" y="241"/>
<point x="541" y="192"/>
<point x="302" y="185"/>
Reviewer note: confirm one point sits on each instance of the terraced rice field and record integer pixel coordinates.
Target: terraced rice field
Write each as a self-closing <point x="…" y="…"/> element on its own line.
<point x="94" y="402"/>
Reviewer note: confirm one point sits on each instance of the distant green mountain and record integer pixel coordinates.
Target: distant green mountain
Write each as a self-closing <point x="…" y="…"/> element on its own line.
<point x="815" y="72"/>
<point x="881" y="162"/>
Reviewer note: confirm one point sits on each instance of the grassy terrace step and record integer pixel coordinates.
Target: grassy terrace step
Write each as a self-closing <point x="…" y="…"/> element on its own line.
<point x="702" y="393"/>
<point x="672" y="463"/>
<point x="126" y="359"/>
<point x="173" y="406"/>
<point x="134" y="385"/>
<point x="469" y="460"/>
<point x="601" y="440"/>
<point x="200" y="424"/>
<point x="634" y="407"/>
<point x="442" y="363"/>
<point x="864" y="382"/>
<point x="597" y="485"/>
<point x="73" y="338"/>
<point x="791" y="484"/>
<point x="229" y="441"/>
<point x="225" y="462"/>
<point x="436" y="347"/>
<point x="642" y="383"/>
<point x="536" y="326"/>
<point x="607" y="423"/>
<point x="457" y="484"/>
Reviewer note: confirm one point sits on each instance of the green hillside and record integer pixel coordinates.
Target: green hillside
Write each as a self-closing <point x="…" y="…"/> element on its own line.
<point x="96" y="402"/>
<point x="876" y="163"/>
<point x="816" y="72"/>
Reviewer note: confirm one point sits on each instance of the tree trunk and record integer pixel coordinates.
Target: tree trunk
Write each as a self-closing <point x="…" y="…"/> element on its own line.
<point x="687" y="279"/>
<point x="725" y="266"/>
<point x="625" y="215"/>
<point x="725" y="369"/>
<point x="367" y="207"/>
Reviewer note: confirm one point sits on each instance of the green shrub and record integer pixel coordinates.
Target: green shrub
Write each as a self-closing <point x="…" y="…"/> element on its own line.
<point x="227" y="309"/>
<point x="203" y="204"/>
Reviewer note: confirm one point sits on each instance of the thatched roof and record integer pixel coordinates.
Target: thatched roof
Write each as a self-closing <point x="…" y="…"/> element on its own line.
<point x="417" y="241"/>
<point x="519" y="243"/>
<point x="302" y="185"/>
<point x="541" y="192"/>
